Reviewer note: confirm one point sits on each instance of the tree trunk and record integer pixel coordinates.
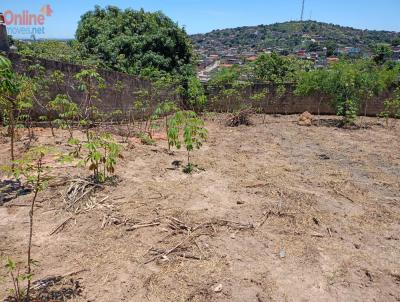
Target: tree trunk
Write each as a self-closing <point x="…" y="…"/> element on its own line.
<point x="319" y="111"/>
<point x="52" y="129"/>
<point x="37" y="187"/>
<point x="12" y="133"/>
<point x="166" y="130"/>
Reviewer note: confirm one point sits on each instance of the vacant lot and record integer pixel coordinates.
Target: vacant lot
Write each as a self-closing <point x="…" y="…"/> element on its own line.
<point x="276" y="212"/>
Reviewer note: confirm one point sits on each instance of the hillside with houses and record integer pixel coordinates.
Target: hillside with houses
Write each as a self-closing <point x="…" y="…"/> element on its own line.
<point x="316" y="41"/>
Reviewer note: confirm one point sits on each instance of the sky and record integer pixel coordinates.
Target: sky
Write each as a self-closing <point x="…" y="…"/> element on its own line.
<point x="200" y="16"/>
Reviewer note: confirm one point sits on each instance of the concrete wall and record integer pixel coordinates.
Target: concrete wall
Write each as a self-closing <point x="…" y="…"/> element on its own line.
<point x="112" y="99"/>
<point x="290" y="103"/>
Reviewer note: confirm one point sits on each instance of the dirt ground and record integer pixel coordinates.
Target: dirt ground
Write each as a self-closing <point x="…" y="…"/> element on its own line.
<point x="276" y="212"/>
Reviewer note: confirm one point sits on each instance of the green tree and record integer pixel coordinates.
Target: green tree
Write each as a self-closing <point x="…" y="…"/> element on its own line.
<point x="382" y="52"/>
<point x="130" y="40"/>
<point x="347" y="84"/>
<point x="228" y="89"/>
<point x="196" y="99"/>
<point x="276" y="69"/>
<point x="313" y="83"/>
<point x="52" y="50"/>
<point x="165" y="109"/>
<point x="32" y="169"/>
<point x="396" y="41"/>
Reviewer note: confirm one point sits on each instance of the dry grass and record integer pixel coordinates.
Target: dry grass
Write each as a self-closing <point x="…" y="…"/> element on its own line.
<point x="280" y="213"/>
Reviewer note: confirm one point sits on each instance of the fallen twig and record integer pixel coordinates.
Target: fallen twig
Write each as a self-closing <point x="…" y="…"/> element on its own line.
<point x="265" y="218"/>
<point x="317" y="235"/>
<point x="176" y="224"/>
<point x="235" y="224"/>
<point x="61" y="226"/>
<point x="22" y="205"/>
<point x="343" y="195"/>
<point x="170" y="250"/>
<point x="201" y="251"/>
<point x="143" y="225"/>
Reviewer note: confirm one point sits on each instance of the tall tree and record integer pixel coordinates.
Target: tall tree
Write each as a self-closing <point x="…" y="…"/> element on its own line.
<point x="130" y="40"/>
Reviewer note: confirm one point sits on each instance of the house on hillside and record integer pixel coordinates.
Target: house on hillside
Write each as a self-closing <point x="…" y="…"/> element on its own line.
<point x="332" y="59"/>
<point x="251" y="58"/>
<point x="230" y="59"/>
<point x="301" y="54"/>
<point x="349" y="51"/>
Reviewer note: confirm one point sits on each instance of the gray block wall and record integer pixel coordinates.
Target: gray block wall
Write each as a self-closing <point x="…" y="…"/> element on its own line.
<point x="3" y="39"/>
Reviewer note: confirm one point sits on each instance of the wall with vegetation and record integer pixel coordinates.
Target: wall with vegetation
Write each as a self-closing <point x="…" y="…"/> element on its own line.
<point x="111" y="98"/>
<point x="289" y="103"/>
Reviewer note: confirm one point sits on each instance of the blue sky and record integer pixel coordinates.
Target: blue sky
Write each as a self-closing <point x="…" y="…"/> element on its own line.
<point x="199" y="16"/>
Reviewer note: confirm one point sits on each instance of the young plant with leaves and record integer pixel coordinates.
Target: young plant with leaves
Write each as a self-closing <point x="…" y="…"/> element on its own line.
<point x="67" y="112"/>
<point x="57" y="79"/>
<point x="118" y="89"/>
<point x="196" y="99"/>
<point x="34" y="172"/>
<point x="14" y="270"/>
<point x="141" y="105"/>
<point x="102" y="156"/>
<point x="90" y="83"/>
<point x="15" y="96"/>
<point x="162" y="90"/>
<point x="165" y="109"/>
<point x="8" y="90"/>
<point x="185" y="127"/>
<point x="25" y="101"/>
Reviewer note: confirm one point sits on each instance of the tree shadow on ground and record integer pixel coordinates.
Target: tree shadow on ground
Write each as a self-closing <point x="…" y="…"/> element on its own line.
<point x="11" y="189"/>
<point x="53" y="289"/>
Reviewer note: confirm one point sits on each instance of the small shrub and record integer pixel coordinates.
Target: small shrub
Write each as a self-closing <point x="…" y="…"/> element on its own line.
<point x="188" y="129"/>
<point x="165" y="109"/>
<point x="348" y="110"/>
<point x="90" y="83"/>
<point x="102" y="156"/>
<point x="16" y="277"/>
<point x="67" y="112"/>
<point x="392" y="109"/>
<point x="145" y="139"/>
<point x="77" y="144"/>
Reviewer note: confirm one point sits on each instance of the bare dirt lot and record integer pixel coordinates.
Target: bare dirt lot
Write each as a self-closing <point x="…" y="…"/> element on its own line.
<point x="280" y="212"/>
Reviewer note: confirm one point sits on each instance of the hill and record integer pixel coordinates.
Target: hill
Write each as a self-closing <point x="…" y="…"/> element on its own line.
<point x="290" y="36"/>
